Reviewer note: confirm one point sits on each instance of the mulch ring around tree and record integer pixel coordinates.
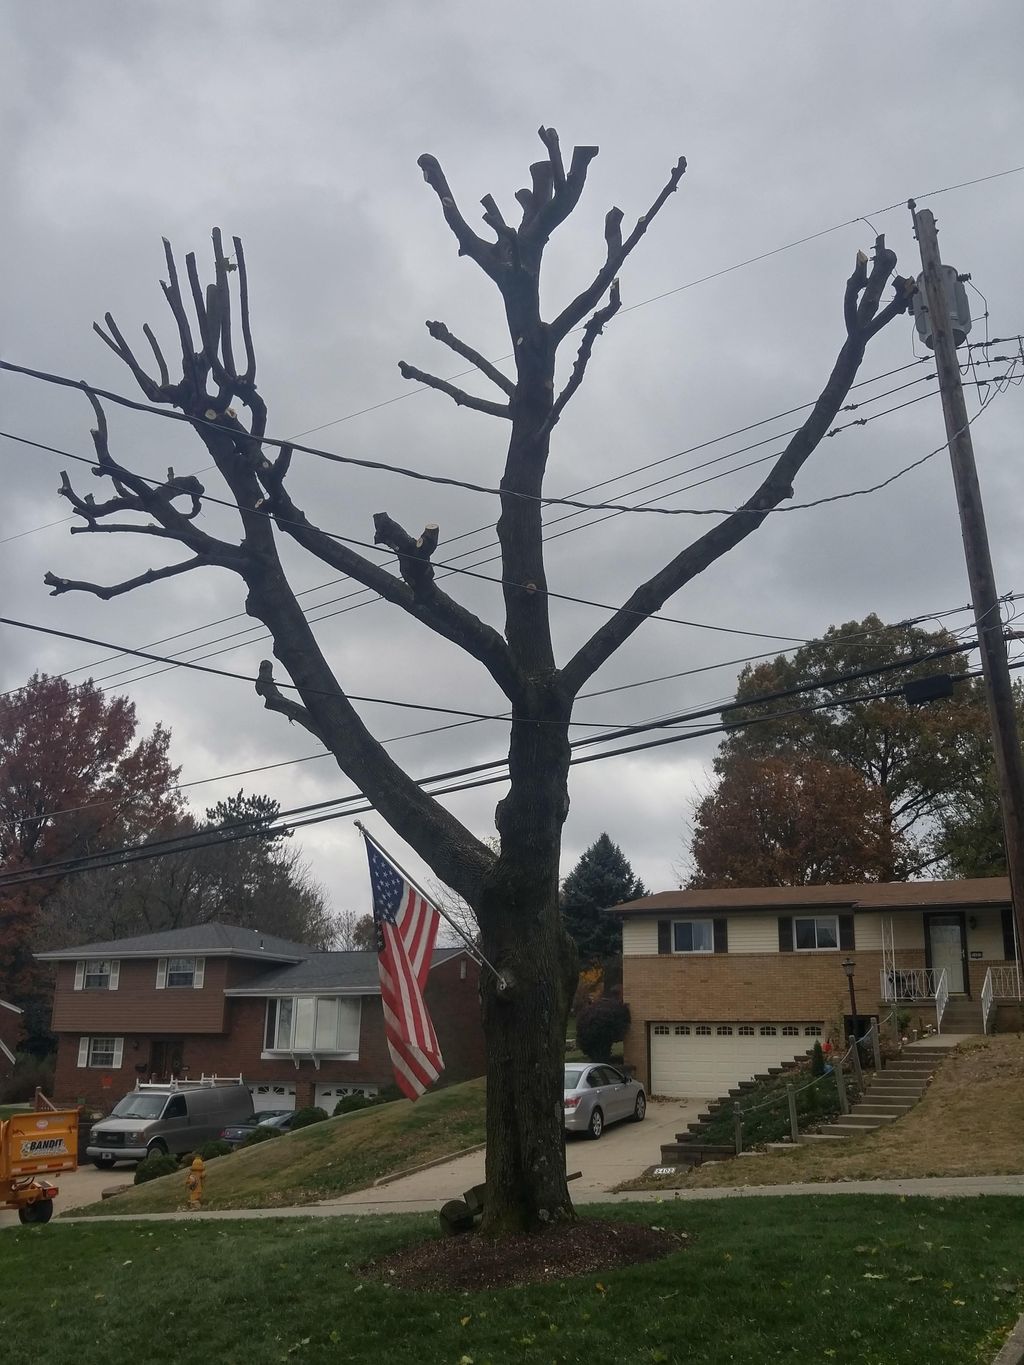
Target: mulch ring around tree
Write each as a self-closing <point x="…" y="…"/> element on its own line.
<point x="472" y="1261"/>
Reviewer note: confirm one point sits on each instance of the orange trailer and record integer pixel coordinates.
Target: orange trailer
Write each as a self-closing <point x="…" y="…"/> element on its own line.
<point x="34" y="1144"/>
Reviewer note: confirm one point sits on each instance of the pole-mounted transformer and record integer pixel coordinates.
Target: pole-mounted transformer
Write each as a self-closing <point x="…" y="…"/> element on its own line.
<point x="957" y="304"/>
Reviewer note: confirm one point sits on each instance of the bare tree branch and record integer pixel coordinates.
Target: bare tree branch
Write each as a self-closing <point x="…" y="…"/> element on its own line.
<point x="274" y="700"/>
<point x="778" y="485"/>
<point x="441" y="333"/>
<point x="459" y="396"/>
<point x="63" y="585"/>
<point x="470" y="244"/>
<point x="591" y="332"/>
<point x="413" y="555"/>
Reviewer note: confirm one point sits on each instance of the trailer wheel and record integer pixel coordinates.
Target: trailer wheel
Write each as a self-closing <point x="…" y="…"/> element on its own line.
<point x="39" y="1212"/>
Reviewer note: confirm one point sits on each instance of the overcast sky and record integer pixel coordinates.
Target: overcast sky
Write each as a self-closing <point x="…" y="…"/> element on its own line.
<point x="298" y="127"/>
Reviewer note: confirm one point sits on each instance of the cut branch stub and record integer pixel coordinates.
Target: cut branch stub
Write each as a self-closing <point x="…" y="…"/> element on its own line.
<point x="413" y="555"/>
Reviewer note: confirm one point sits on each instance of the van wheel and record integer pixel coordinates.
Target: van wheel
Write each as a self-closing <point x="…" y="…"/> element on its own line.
<point x="157" y="1148"/>
<point x="103" y="1163"/>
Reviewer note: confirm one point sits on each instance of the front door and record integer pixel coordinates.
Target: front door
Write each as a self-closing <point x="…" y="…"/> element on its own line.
<point x="165" y="1058"/>
<point x="946" y="949"/>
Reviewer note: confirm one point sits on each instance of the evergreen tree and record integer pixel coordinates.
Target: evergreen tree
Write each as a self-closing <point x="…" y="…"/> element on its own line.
<point x="603" y="877"/>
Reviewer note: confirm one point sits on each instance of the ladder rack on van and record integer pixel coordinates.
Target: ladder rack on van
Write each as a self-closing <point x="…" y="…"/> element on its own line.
<point x="176" y="1083"/>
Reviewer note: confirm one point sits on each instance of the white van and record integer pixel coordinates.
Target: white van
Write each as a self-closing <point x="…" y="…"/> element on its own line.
<point x="177" y="1117"/>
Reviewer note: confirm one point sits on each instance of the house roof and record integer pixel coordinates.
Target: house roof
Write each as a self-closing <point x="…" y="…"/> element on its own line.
<point x="980" y="891"/>
<point x="206" y="940"/>
<point x="346" y="973"/>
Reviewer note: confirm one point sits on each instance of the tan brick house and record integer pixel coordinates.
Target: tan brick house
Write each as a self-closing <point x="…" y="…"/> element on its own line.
<point x="301" y="1027"/>
<point x="10" y="1036"/>
<point x="722" y="984"/>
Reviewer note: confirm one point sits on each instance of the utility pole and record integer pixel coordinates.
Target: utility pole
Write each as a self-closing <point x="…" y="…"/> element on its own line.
<point x="987" y="617"/>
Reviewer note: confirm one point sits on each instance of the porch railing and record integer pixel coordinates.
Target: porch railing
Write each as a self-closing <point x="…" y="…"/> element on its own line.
<point x="1005" y="982"/>
<point x="941" y="998"/>
<point x="912" y="983"/>
<point x="987" y="1000"/>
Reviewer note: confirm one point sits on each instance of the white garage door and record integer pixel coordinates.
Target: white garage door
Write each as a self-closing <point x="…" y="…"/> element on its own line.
<point x="703" y="1061"/>
<point x="327" y="1096"/>
<point x="271" y="1096"/>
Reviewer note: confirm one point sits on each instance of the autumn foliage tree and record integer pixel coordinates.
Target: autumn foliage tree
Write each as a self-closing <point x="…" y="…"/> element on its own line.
<point x="513" y="892"/>
<point x="790" y="821"/>
<point x="75" y="778"/>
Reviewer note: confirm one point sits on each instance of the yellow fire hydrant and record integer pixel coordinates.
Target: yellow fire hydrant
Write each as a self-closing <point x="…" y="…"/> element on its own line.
<point x="194" y="1183"/>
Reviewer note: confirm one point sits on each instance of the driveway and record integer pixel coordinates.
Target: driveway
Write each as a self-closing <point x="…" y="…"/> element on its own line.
<point x="623" y="1152"/>
<point x="83" y="1186"/>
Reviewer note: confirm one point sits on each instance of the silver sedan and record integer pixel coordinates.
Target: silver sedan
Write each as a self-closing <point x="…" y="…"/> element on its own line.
<point x="596" y="1095"/>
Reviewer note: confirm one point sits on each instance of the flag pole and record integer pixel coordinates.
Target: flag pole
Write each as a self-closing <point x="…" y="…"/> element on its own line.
<point x="474" y="951"/>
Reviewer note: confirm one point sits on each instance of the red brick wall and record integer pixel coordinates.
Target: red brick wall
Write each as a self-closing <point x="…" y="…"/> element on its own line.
<point x="452" y="1001"/>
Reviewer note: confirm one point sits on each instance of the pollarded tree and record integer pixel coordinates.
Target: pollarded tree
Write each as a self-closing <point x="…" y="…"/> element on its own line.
<point x="513" y="893"/>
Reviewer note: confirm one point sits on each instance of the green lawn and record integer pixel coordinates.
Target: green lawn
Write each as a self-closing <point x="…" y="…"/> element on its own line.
<point x="324" y="1160"/>
<point x="843" y="1280"/>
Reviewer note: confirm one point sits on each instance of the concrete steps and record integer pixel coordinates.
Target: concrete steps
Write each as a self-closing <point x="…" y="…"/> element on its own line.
<point x="888" y="1095"/>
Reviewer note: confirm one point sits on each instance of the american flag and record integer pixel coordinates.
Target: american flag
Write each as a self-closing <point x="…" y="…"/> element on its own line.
<point x="406" y="924"/>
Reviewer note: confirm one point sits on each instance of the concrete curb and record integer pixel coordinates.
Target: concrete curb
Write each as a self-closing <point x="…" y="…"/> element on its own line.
<point x="1013" y="1348"/>
<point x="426" y="1166"/>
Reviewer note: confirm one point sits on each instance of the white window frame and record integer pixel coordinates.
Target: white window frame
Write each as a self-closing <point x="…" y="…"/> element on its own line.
<point x="308" y="1009"/>
<point x="661" y="1030"/>
<point x="165" y="968"/>
<point x="87" y="1051"/>
<point x="690" y="952"/>
<point x="746" y="1031"/>
<point x="769" y="1031"/>
<point x="791" y="1030"/>
<point x="703" y="1031"/>
<point x="816" y="920"/>
<point x="85" y="967"/>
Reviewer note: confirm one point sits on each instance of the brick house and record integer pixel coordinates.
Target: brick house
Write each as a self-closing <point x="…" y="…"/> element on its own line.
<point x="301" y="1027"/>
<point x="10" y="1036"/>
<point x="722" y="984"/>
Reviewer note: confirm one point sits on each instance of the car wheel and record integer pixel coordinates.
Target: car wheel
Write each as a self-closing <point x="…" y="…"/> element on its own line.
<point x="103" y="1163"/>
<point x="39" y="1212"/>
<point x="596" y="1126"/>
<point x="640" y="1108"/>
<point x="157" y="1149"/>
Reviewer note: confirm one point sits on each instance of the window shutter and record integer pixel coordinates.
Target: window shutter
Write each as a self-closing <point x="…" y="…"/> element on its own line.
<point x="1009" y="947"/>
<point x="115" y="972"/>
<point x="197" y="975"/>
<point x="664" y="936"/>
<point x="161" y="973"/>
<point x="118" y="1053"/>
<point x="721" y="928"/>
<point x="785" y="933"/>
<point x="83" y="1052"/>
<point x="846" y="937"/>
<point x="79" y="979"/>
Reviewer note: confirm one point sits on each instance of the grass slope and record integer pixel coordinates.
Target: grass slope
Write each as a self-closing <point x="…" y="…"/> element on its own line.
<point x="808" y="1281"/>
<point x="326" y="1159"/>
<point x="969" y="1122"/>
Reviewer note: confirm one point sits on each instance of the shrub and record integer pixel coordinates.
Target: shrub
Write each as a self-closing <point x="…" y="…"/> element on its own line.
<point x="160" y="1163"/>
<point x="588" y="987"/>
<point x="28" y="1073"/>
<point x="817" y="1059"/>
<point x="214" y="1148"/>
<point x="261" y="1133"/>
<point x="314" y="1114"/>
<point x="600" y="1026"/>
<point x="349" y="1104"/>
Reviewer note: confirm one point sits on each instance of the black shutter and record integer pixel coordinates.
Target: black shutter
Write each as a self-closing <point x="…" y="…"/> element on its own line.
<point x="721" y="935"/>
<point x="846" y="943"/>
<point x="1009" y="948"/>
<point x="785" y="933"/>
<point x="664" y="936"/>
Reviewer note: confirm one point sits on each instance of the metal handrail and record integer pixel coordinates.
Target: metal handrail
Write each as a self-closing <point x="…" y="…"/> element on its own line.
<point x="987" y="1000"/>
<point x="941" y="999"/>
<point x="910" y="983"/>
<point x="1005" y="982"/>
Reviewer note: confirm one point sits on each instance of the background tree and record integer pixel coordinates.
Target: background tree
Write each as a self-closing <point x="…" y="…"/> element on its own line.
<point x="602" y="877"/>
<point x="790" y="821"/>
<point x="75" y="778"/>
<point x="919" y="758"/>
<point x="258" y="882"/>
<point x="515" y="893"/>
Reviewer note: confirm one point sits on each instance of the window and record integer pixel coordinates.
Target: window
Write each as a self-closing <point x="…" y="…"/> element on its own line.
<point x="693" y="936"/>
<point x="812" y="1030"/>
<point x="662" y="1030"/>
<point x="176" y="1108"/>
<point x="181" y="971"/>
<point x="724" y="1030"/>
<point x="463" y="969"/>
<point x="790" y="1031"/>
<point x="682" y="1030"/>
<point x="746" y="1030"/>
<point x="768" y="1030"/>
<point x="703" y="1030"/>
<point x="816" y="934"/>
<point x="105" y="1053"/>
<point x="97" y="974"/>
<point x="314" y="1024"/>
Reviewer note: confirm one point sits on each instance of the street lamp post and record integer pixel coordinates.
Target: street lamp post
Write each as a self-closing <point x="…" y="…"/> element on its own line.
<point x="849" y="965"/>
